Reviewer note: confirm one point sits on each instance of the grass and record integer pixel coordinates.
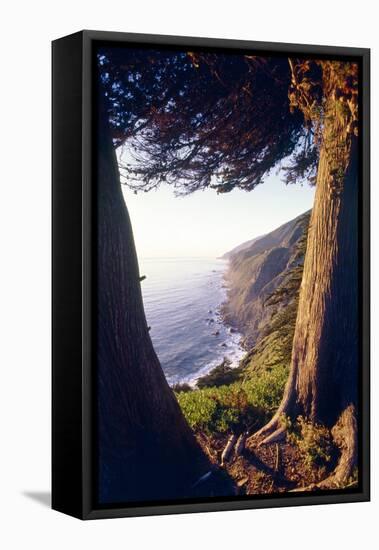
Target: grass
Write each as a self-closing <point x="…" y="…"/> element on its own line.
<point x="245" y="398"/>
<point x="243" y="405"/>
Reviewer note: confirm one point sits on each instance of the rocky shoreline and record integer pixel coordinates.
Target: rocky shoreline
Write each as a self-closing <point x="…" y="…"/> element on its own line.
<point x="261" y="282"/>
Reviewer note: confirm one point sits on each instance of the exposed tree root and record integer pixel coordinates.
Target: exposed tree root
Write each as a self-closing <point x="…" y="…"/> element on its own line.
<point x="265" y="433"/>
<point x="267" y="467"/>
<point x="274" y="431"/>
<point x="274" y="437"/>
<point x="345" y="437"/>
<point x="319" y="377"/>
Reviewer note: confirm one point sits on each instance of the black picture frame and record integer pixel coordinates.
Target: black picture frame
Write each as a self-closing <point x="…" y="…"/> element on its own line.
<point x="73" y="423"/>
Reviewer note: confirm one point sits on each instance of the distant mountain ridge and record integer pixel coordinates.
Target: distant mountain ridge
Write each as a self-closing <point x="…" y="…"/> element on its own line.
<point x="240" y="247"/>
<point x="259" y="269"/>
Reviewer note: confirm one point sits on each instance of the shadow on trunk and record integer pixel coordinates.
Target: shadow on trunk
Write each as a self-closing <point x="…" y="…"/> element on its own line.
<point x="323" y="380"/>
<point x="146" y="449"/>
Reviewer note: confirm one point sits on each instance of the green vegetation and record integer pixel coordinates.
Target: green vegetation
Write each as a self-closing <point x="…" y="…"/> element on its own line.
<point x="243" y="405"/>
<point x="221" y="375"/>
<point x="314" y="441"/>
<point x="274" y="347"/>
<point x="181" y="387"/>
<point x="244" y="398"/>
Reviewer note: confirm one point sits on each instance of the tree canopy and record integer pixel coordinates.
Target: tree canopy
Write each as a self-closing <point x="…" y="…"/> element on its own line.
<point x="198" y="120"/>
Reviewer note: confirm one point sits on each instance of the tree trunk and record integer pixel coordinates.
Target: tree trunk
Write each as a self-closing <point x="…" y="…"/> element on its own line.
<point x="323" y="380"/>
<point x="146" y="449"/>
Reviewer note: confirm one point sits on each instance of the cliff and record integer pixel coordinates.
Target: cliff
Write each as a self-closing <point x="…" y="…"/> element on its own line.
<point x="264" y="276"/>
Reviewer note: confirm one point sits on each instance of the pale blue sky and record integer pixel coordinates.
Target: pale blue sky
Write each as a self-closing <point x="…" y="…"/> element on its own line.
<point x="205" y="224"/>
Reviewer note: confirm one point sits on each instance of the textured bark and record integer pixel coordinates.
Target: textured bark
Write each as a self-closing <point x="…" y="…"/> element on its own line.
<point x="323" y="380"/>
<point x="323" y="376"/>
<point x="345" y="434"/>
<point x="146" y="448"/>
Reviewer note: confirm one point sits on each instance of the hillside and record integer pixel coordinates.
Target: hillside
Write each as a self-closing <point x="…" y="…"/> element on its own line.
<point x="271" y="264"/>
<point x="240" y="247"/>
<point x="229" y="404"/>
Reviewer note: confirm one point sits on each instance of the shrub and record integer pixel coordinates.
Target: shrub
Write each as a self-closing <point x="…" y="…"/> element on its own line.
<point x="266" y="390"/>
<point x="221" y="375"/>
<point x="314" y="441"/>
<point x="239" y="406"/>
<point x="198" y="408"/>
<point x="181" y="387"/>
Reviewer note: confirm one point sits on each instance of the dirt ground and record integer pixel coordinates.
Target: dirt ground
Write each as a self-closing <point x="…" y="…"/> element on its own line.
<point x="273" y="468"/>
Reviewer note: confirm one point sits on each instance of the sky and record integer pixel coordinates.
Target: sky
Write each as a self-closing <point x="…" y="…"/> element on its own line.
<point x="205" y="224"/>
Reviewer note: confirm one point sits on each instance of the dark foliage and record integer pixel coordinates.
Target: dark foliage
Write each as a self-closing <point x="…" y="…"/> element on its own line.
<point x="181" y="387"/>
<point x="202" y="120"/>
<point x="221" y="375"/>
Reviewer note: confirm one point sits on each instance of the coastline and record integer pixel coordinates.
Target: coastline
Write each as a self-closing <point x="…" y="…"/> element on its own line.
<point x="236" y="342"/>
<point x="226" y="311"/>
<point x="235" y="352"/>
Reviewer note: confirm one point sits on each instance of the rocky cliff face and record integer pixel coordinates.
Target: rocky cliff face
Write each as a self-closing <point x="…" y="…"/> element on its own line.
<point x="264" y="278"/>
<point x="240" y="248"/>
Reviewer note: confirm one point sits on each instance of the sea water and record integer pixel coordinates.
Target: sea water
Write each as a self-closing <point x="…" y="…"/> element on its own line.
<point x="182" y="299"/>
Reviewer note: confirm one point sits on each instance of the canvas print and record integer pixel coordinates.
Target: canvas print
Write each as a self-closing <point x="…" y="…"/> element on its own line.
<point x="227" y="274"/>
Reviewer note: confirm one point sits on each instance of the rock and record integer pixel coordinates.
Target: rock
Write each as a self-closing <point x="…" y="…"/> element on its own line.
<point x="262" y="265"/>
<point x="223" y="345"/>
<point x="216" y="333"/>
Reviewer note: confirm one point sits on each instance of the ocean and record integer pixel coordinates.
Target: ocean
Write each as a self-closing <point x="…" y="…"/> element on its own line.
<point x="182" y="298"/>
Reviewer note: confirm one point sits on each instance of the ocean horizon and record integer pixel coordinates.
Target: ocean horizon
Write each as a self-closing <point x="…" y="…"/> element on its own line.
<point x="182" y="299"/>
